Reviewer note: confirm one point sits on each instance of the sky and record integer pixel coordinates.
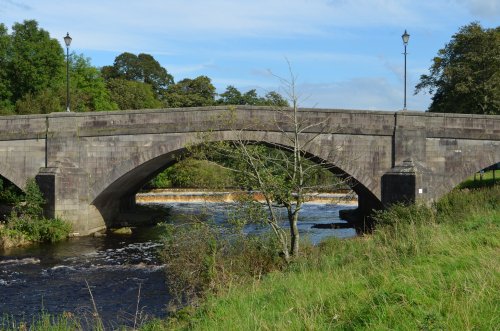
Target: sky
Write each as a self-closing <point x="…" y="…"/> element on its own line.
<point x="344" y="54"/>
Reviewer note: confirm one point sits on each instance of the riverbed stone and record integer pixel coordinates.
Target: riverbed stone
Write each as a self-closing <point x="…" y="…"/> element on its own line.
<point x="122" y="231"/>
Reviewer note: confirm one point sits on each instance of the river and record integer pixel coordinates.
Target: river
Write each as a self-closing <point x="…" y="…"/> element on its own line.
<point x="54" y="278"/>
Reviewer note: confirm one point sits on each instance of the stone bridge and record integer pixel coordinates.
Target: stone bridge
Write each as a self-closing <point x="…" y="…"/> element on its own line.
<point x="89" y="165"/>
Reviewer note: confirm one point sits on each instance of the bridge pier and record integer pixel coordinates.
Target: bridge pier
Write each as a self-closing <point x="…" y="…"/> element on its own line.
<point x="399" y="185"/>
<point x="66" y="194"/>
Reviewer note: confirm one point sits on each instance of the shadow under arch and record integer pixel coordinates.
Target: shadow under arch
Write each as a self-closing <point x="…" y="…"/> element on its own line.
<point x="470" y="171"/>
<point x="12" y="175"/>
<point x="120" y="193"/>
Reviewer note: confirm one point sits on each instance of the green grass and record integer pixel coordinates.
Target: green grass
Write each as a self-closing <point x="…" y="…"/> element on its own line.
<point x="45" y="322"/>
<point x="486" y="181"/>
<point x="424" y="269"/>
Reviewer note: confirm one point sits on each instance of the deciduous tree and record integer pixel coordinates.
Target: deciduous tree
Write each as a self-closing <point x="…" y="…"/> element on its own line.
<point x="465" y="75"/>
<point x="283" y="176"/>
<point x="141" y="68"/>
<point x="132" y="95"/>
<point x="5" y="90"/>
<point x="36" y="61"/>
<point x="190" y="93"/>
<point x="89" y="92"/>
<point x="232" y="96"/>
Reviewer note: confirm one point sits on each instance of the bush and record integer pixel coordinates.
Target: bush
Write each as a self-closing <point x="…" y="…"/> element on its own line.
<point x="9" y="193"/>
<point x="26" y="221"/>
<point x="202" y="258"/>
<point x="39" y="229"/>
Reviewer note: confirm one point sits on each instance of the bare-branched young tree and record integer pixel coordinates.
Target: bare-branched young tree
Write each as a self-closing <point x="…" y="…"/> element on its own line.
<point x="283" y="175"/>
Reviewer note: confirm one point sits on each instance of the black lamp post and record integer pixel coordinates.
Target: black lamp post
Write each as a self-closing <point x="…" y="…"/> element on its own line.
<point x="405" y="37"/>
<point x="67" y="41"/>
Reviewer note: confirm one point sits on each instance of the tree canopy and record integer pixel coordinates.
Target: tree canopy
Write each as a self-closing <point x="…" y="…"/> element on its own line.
<point x="232" y="96"/>
<point x="132" y="94"/>
<point x="141" y="68"/>
<point x="465" y="75"/>
<point x="36" y="61"/>
<point x="31" y="63"/>
<point x="33" y="80"/>
<point x="34" y="77"/>
<point x="190" y="93"/>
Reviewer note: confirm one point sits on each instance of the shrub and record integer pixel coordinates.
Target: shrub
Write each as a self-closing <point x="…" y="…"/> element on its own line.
<point x="26" y="221"/>
<point x="202" y="258"/>
<point x="40" y="229"/>
<point x="9" y="193"/>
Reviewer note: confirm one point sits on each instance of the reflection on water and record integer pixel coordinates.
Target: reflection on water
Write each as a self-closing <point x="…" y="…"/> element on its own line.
<point x="52" y="277"/>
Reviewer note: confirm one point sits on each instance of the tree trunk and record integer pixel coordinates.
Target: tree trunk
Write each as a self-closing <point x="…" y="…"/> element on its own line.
<point x="294" y="234"/>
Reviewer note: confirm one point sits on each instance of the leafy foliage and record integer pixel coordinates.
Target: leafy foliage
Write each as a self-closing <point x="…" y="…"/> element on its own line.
<point x="9" y="193"/>
<point x="34" y="201"/>
<point x="33" y="80"/>
<point x="5" y="88"/>
<point x="35" y="62"/>
<point x="88" y="89"/>
<point x="465" y="76"/>
<point x="190" y="93"/>
<point x="202" y="258"/>
<point x="44" y="102"/>
<point x="193" y="173"/>
<point x="140" y="68"/>
<point x="232" y="96"/>
<point x="132" y="95"/>
<point x="27" y="222"/>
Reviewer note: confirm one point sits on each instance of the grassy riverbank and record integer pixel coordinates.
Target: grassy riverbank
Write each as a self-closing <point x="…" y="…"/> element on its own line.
<point x="422" y="269"/>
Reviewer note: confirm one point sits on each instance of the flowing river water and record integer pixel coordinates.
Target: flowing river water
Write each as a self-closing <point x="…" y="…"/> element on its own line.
<point x="53" y="278"/>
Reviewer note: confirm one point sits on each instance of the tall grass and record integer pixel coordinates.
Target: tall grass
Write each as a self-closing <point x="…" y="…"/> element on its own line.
<point x="424" y="268"/>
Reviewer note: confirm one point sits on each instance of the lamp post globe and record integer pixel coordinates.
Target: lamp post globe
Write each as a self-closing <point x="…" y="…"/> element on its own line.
<point x="406" y="38"/>
<point x="67" y="41"/>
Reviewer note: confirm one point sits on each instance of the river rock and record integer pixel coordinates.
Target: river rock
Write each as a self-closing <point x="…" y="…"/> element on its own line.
<point x="123" y="231"/>
<point x="7" y="242"/>
<point x="332" y="226"/>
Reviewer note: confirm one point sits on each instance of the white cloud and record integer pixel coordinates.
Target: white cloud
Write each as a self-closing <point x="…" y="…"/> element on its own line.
<point x="156" y="24"/>
<point x="7" y="4"/>
<point x="487" y="9"/>
<point x="361" y="93"/>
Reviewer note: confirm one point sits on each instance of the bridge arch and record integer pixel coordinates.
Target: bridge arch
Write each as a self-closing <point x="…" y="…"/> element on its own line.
<point x="120" y="184"/>
<point x="462" y="161"/>
<point x="477" y="166"/>
<point x="13" y="175"/>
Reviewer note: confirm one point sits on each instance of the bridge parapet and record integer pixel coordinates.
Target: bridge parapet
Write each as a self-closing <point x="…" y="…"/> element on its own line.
<point x="457" y="126"/>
